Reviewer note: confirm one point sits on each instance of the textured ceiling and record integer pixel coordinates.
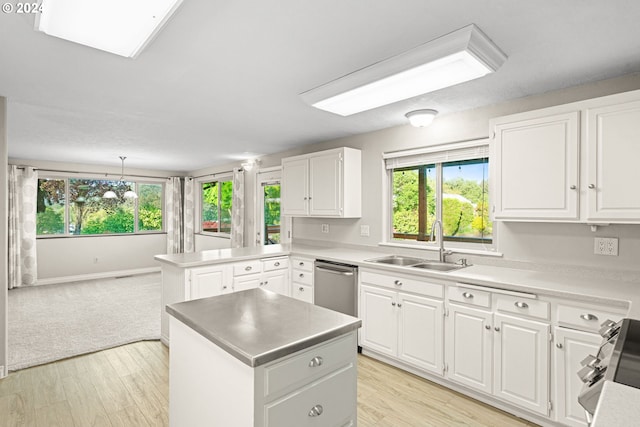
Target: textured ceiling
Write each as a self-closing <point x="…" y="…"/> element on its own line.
<point x="221" y="81"/>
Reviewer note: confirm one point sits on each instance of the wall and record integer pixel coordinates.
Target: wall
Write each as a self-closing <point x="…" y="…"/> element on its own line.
<point x="559" y="244"/>
<point x="3" y="235"/>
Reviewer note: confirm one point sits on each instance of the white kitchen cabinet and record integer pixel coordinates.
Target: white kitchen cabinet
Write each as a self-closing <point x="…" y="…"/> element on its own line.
<point x="571" y="347"/>
<point x="276" y="281"/>
<point x="535" y="167"/>
<point x="302" y="279"/>
<point x="208" y="282"/>
<point x="613" y="144"/>
<point x="400" y="324"/>
<point x="323" y="184"/>
<point x="271" y="274"/>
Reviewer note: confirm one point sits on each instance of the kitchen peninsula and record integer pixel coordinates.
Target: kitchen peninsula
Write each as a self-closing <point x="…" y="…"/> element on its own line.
<point x="258" y="358"/>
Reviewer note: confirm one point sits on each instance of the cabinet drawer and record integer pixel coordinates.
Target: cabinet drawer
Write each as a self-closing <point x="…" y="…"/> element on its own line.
<point x="525" y="306"/>
<point x="271" y="264"/>
<point x="585" y="318"/>
<point x="403" y="283"/>
<point x="333" y="398"/>
<point x="309" y="365"/>
<point x="470" y="296"/>
<point x="302" y="276"/>
<point x="302" y="292"/>
<point x="302" y="264"/>
<point x="247" y="267"/>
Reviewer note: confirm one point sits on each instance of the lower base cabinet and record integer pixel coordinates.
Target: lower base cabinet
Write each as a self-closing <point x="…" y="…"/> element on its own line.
<point x="571" y="347"/>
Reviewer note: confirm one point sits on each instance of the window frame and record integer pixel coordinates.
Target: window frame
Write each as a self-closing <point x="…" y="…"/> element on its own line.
<point x="438" y="156"/>
<point x="92" y="176"/>
<point x="219" y="178"/>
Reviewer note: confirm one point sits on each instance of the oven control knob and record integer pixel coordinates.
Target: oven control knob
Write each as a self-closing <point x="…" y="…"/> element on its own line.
<point x="590" y="361"/>
<point x="609" y="329"/>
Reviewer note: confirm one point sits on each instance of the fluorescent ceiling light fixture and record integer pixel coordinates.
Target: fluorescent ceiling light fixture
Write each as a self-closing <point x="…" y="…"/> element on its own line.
<point x="457" y="57"/>
<point x="421" y="118"/>
<point x="123" y="27"/>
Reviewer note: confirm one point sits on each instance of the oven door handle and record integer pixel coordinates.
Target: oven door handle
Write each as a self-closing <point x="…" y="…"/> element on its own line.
<point x="340" y="272"/>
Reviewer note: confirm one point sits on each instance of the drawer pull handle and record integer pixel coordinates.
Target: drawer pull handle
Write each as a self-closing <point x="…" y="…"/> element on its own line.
<point x="397" y="283"/>
<point x="301" y="275"/>
<point x="588" y="317"/>
<point x="276" y="264"/>
<point x="521" y="304"/>
<point x="301" y="289"/>
<point x="316" y="411"/>
<point x="301" y="264"/>
<point x="497" y="328"/>
<point x="487" y="327"/>
<point x="316" y="361"/>
<point x="247" y="268"/>
<point x="467" y="295"/>
<point x="393" y="303"/>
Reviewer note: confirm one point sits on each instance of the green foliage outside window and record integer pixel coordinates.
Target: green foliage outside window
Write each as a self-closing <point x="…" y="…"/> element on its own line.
<point x="271" y="196"/>
<point x="217" y="199"/>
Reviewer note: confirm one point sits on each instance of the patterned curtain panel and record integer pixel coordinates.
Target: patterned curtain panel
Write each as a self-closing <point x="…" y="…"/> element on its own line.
<point x="23" y="189"/>
<point x="173" y="209"/>
<point x="189" y="215"/>
<point x="237" y="209"/>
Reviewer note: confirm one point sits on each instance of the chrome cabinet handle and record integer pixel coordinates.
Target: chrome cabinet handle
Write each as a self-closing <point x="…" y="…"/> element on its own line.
<point x="399" y="305"/>
<point x="467" y="295"/>
<point x="559" y="345"/>
<point x="592" y="186"/>
<point x="276" y="264"/>
<point x="301" y="289"/>
<point x="573" y="187"/>
<point x="316" y="411"/>
<point x="520" y="304"/>
<point x="487" y="327"/>
<point x="393" y="303"/>
<point x="224" y="286"/>
<point x="497" y="328"/>
<point x="247" y="268"/>
<point x="397" y="283"/>
<point x="301" y="264"/>
<point x="301" y="275"/>
<point x="588" y="317"/>
<point x="316" y="361"/>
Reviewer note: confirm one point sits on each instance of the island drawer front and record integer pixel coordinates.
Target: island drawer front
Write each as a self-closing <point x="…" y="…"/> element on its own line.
<point x="302" y="292"/>
<point x="470" y="296"/>
<point x="330" y="401"/>
<point x="272" y="264"/>
<point x="247" y="267"/>
<point x="403" y="283"/>
<point x="309" y="364"/>
<point x="302" y="264"/>
<point x="585" y="318"/>
<point x="303" y="277"/>
<point x="524" y="306"/>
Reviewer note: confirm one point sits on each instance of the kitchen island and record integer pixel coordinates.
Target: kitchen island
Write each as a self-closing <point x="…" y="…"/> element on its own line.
<point x="257" y="358"/>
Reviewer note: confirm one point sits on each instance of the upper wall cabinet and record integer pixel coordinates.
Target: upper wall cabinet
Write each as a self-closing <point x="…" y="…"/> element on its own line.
<point x="323" y="184"/>
<point x="569" y="163"/>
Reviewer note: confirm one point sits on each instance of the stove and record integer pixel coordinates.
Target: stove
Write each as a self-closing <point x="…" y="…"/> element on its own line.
<point x="617" y="360"/>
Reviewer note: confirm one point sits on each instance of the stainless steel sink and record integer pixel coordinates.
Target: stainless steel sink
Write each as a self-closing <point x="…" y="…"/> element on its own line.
<point x="397" y="260"/>
<point x="438" y="266"/>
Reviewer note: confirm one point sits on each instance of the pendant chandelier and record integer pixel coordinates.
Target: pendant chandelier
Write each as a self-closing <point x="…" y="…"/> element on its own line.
<point x="129" y="194"/>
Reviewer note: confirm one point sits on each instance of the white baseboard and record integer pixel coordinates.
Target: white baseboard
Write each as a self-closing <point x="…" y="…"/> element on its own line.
<point x="93" y="276"/>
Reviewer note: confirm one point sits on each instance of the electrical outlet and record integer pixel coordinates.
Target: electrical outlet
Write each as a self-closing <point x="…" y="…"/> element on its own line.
<point x="364" y="230"/>
<point x="606" y="246"/>
<point x="325" y="228"/>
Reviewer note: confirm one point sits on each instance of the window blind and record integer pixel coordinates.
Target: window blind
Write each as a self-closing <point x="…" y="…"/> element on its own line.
<point x="437" y="154"/>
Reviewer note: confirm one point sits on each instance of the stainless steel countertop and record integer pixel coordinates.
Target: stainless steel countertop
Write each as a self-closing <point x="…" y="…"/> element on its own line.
<point x="258" y="326"/>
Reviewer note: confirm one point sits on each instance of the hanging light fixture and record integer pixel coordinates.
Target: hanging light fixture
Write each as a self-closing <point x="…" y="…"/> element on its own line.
<point x="421" y="118"/>
<point x="129" y="194"/>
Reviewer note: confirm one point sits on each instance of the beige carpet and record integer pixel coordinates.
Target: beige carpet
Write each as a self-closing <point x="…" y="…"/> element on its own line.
<point x="53" y="322"/>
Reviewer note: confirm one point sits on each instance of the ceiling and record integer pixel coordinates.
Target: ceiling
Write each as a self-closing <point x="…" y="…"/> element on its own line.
<point x="221" y="80"/>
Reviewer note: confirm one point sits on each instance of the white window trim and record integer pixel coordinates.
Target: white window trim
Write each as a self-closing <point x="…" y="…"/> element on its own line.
<point x="425" y="155"/>
<point x="265" y="175"/>
<point x="209" y="178"/>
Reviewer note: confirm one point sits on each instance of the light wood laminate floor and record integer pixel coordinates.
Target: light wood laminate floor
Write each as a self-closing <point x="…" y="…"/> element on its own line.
<point x="129" y="386"/>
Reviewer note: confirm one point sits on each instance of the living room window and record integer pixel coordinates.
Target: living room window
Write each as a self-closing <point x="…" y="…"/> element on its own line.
<point x="216" y="198"/>
<point x="75" y="206"/>
<point x="448" y="183"/>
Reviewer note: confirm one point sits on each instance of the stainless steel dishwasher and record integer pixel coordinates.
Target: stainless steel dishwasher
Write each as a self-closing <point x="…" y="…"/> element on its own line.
<point x="335" y="286"/>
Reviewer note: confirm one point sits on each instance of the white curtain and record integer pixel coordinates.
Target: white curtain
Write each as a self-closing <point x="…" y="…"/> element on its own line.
<point x="23" y="189"/>
<point x="189" y="215"/>
<point x="237" y="209"/>
<point x="173" y="209"/>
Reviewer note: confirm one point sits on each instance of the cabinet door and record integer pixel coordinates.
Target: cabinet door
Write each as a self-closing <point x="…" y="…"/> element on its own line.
<point x="302" y="292"/>
<point x="535" y="168"/>
<point x="379" y="320"/>
<point x="295" y="187"/>
<point x="571" y="347"/>
<point x="325" y="182"/>
<point x="243" y="283"/>
<point x="521" y="360"/>
<point x="276" y="281"/>
<point x="613" y="151"/>
<point x="468" y="347"/>
<point x="208" y="282"/>
<point x="420" y="330"/>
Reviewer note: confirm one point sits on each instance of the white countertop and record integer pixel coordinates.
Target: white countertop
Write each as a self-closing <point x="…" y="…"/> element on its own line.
<point x="594" y="290"/>
<point x="618" y="405"/>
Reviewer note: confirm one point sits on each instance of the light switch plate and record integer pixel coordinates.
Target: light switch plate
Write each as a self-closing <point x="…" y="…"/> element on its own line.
<point x="364" y="230"/>
<point x="325" y="228"/>
<point x="606" y="246"/>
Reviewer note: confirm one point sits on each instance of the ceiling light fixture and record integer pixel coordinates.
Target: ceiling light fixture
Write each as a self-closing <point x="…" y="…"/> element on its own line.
<point x="129" y="194"/>
<point x="121" y="27"/>
<point x="421" y="118"/>
<point x="457" y="57"/>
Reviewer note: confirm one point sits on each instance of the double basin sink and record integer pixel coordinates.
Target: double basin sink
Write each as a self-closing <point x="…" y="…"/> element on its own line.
<point x="405" y="261"/>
